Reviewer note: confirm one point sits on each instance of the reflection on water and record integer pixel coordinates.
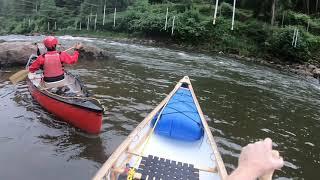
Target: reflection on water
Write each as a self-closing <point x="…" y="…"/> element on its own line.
<point x="243" y="102"/>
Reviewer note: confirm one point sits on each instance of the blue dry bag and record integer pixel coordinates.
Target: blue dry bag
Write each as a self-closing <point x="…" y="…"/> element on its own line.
<point x="180" y="118"/>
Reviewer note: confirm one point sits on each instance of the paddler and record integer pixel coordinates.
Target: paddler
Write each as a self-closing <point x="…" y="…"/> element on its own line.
<point x="51" y="62"/>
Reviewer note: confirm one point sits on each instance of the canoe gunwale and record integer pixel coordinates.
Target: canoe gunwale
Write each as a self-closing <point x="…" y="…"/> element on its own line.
<point x="124" y="146"/>
<point x="220" y="165"/>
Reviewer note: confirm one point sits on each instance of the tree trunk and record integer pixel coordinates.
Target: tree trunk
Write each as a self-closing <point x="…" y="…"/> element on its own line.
<point x="308" y="6"/>
<point x="273" y="9"/>
<point x="317" y="3"/>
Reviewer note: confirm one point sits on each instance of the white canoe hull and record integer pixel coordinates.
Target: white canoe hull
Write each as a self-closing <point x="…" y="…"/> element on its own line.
<point x="143" y="142"/>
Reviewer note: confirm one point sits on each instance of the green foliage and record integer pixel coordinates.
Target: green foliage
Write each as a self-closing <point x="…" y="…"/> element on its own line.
<point x="297" y="18"/>
<point x="205" y="9"/>
<point x="314" y="46"/>
<point x="241" y="14"/>
<point x="256" y="30"/>
<point x="280" y="44"/>
<point x="191" y="27"/>
<point x="253" y="35"/>
<point x="294" y="18"/>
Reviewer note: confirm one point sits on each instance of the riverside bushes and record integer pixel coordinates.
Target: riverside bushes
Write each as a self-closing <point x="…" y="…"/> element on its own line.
<point x="280" y="45"/>
<point x="193" y="26"/>
<point x="250" y="37"/>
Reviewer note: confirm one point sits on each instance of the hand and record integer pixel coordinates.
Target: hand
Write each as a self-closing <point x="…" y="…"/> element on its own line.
<point x="78" y="46"/>
<point x="256" y="160"/>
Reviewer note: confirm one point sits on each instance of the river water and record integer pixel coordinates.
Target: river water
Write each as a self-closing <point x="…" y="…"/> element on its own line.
<point x="243" y="102"/>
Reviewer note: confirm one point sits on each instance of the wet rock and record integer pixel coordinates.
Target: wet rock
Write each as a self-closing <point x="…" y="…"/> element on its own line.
<point x="17" y="53"/>
<point x="316" y="73"/>
<point x="93" y="52"/>
<point x="247" y="58"/>
<point x="300" y="66"/>
<point x="307" y="73"/>
<point x="2" y="41"/>
<point x="300" y="69"/>
<point x="310" y="66"/>
<point x="36" y="34"/>
<point x="279" y="66"/>
<point x="301" y="72"/>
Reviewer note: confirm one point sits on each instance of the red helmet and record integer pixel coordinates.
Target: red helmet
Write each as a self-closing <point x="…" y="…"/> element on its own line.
<point x="50" y="42"/>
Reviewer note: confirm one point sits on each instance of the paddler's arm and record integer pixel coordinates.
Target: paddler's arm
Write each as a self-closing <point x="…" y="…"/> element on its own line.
<point x="71" y="59"/>
<point x="255" y="161"/>
<point x="36" y="64"/>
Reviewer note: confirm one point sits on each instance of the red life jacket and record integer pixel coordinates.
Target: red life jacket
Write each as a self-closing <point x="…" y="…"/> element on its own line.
<point x="52" y="65"/>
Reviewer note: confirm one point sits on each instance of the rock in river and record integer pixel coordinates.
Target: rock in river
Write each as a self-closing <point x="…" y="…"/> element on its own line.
<point x="93" y="52"/>
<point x="17" y="53"/>
<point x="316" y="73"/>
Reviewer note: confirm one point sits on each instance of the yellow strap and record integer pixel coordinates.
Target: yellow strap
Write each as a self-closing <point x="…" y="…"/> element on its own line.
<point x="131" y="174"/>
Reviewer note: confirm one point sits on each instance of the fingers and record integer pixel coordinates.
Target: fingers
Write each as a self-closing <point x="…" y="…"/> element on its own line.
<point x="247" y="146"/>
<point x="275" y="153"/>
<point x="277" y="163"/>
<point x="268" y="143"/>
<point x="277" y="160"/>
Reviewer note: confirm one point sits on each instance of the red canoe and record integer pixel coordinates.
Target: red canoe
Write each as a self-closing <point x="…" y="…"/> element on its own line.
<point x="74" y="106"/>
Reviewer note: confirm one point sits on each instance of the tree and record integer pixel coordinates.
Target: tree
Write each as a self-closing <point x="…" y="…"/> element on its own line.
<point x="48" y="8"/>
<point x="273" y="11"/>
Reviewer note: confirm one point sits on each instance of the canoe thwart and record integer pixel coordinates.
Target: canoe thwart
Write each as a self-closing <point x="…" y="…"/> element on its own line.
<point x="210" y="170"/>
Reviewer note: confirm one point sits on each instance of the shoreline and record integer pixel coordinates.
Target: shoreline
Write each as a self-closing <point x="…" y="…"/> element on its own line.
<point x="304" y="70"/>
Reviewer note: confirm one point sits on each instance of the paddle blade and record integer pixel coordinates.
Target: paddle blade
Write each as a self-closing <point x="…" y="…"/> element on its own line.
<point x="18" y="76"/>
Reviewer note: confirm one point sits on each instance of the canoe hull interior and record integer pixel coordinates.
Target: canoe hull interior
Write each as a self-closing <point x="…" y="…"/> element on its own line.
<point x="86" y="119"/>
<point x="159" y="155"/>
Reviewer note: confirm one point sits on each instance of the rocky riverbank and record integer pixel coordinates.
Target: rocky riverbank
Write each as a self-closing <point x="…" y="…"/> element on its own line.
<point x="307" y="70"/>
<point x="17" y="53"/>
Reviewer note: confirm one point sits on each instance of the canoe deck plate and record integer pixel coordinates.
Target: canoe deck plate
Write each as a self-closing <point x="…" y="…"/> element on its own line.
<point x="160" y="168"/>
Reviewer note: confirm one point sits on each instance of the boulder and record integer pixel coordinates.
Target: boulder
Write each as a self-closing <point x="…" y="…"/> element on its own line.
<point x="316" y="73"/>
<point x="300" y="66"/>
<point x="92" y="52"/>
<point x="310" y="66"/>
<point x="17" y="53"/>
<point x="301" y="72"/>
<point x="2" y="41"/>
